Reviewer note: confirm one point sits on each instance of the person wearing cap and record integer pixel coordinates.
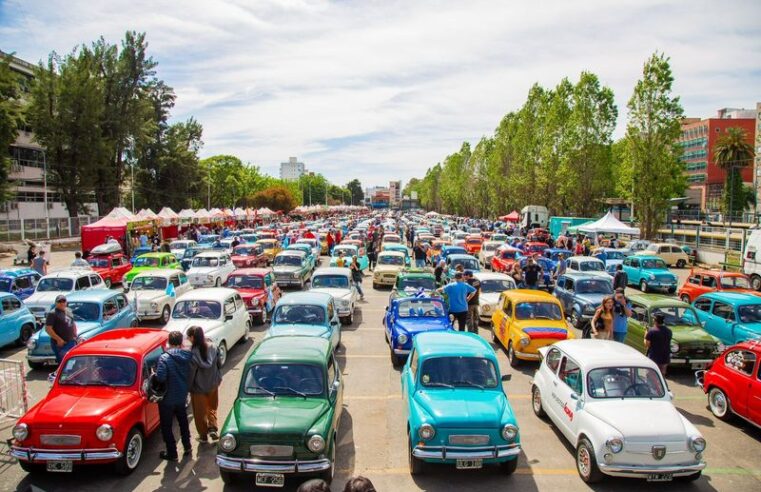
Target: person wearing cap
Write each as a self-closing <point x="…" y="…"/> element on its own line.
<point x="472" y="301"/>
<point x="61" y="328"/>
<point x="459" y="293"/>
<point x="658" y="343"/>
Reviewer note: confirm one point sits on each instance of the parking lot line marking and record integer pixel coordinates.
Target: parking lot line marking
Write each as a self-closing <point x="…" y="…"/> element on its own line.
<point x="372" y="397"/>
<point x="363" y="356"/>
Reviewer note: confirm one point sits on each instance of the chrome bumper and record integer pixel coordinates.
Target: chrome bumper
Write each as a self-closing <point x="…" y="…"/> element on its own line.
<point x="41" y="358"/>
<point x="641" y="470"/>
<point x="34" y="455"/>
<point x="528" y="356"/>
<point x="254" y="465"/>
<point x="687" y="360"/>
<point x="463" y="453"/>
<point x="402" y="351"/>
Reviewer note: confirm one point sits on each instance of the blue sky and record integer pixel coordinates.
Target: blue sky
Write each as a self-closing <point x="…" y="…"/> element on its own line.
<point x="382" y="90"/>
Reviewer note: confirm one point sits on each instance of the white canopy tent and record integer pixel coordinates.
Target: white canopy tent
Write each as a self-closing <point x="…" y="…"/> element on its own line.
<point x="609" y="224"/>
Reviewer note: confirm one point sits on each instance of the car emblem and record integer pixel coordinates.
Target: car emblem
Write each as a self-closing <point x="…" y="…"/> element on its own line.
<point x="658" y="452"/>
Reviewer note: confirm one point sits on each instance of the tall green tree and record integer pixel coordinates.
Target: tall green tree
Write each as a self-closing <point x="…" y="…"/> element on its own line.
<point x="231" y="180"/>
<point x="11" y="118"/>
<point x="356" y="195"/>
<point x="732" y="153"/>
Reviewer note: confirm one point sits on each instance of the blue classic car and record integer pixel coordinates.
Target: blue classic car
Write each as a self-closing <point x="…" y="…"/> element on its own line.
<point x="729" y="316"/>
<point x="17" y="323"/>
<point x="19" y="281"/>
<point x="350" y="250"/>
<point x="452" y="250"/>
<point x="649" y="272"/>
<point x="407" y="317"/>
<point x="401" y="248"/>
<point x="94" y="312"/>
<point x="468" y="262"/>
<point x="581" y="294"/>
<point x="139" y="251"/>
<point x="306" y="313"/>
<point x="188" y="255"/>
<point x="311" y="259"/>
<point x="457" y="411"/>
<point x="546" y="282"/>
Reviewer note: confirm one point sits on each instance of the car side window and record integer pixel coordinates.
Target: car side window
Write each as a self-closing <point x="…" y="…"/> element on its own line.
<point x="121" y="301"/>
<point x="230" y="306"/>
<point x="268" y="280"/>
<point x="82" y="283"/>
<point x="150" y="361"/>
<point x="570" y="374"/>
<point x="175" y="279"/>
<point x="694" y="280"/>
<point x="238" y="302"/>
<point x="640" y="312"/>
<point x="569" y="285"/>
<point x="115" y="262"/>
<point x="331" y="371"/>
<point x="723" y="310"/>
<point x="553" y="359"/>
<point x="330" y="310"/>
<point x="110" y="308"/>
<point x="7" y="306"/>
<point x="95" y="280"/>
<point x="574" y="265"/>
<point x="709" y="281"/>
<point x="635" y="263"/>
<point x="703" y="304"/>
<point x="742" y="361"/>
<point x="23" y="282"/>
<point x="507" y="307"/>
<point x="183" y="279"/>
<point x="413" y="363"/>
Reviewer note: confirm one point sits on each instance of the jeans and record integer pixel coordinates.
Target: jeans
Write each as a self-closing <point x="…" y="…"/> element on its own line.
<point x="473" y="318"/>
<point x="205" y="411"/>
<point x="619" y="336"/>
<point x="358" y="285"/>
<point x="60" y="352"/>
<point x="167" y="414"/>
<point x="419" y="262"/>
<point x="462" y="320"/>
<point x="371" y="258"/>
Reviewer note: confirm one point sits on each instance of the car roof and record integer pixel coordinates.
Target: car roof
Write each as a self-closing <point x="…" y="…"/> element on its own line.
<point x="306" y="297"/>
<point x="210" y="254"/>
<point x="332" y="271"/>
<point x="70" y="273"/>
<point x="716" y="273"/>
<point x="461" y="256"/>
<point x="415" y="272"/>
<point x="583" y="276"/>
<point x="292" y="252"/>
<point x="260" y="272"/>
<point x="529" y="295"/>
<point x="656" y="300"/>
<point x="123" y="341"/>
<point x="15" y="272"/>
<point x="491" y="276"/>
<point x="438" y="344"/>
<point x="646" y="257"/>
<point x="157" y="254"/>
<point x="92" y="295"/>
<point x="585" y="258"/>
<point x="3" y="295"/>
<point x="391" y="253"/>
<point x="592" y="352"/>
<point x="207" y="293"/>
<point x="158" y="272"/>
<point x="291" y="349"/>
<point x="732" y="297"/>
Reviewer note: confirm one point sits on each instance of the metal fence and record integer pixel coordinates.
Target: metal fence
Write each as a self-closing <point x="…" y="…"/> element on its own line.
<point x="19" y="229"/>
<point x="707" y="237"/>
<point x="14" y="399"/>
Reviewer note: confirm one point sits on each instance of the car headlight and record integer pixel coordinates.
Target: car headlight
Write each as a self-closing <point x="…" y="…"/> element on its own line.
<point x="344" y="303"/>
<point x="720" y="347"/>
<point x="486" y="308"/>
<point x="295" y="275"/>
<point x="525" y="341"/>
<point x="509" y="432"/>
<point x="210" y="277"/>
<point x="154" y="305"/>
<point x="589" y="309"/>
<point x="227" y="442"/>
<point x="402" y="339"/>
<point x="651" y="276"/>
<point x="426" y="432"/>
<point x="21" y="432"/>
<point x="316" y="444"/>
<point x="105" y="432"/>
<point x="698" y="444"/>
<point x="615" y="444"/>
<point x="674" y="347"/>
<point x="31" y="344"/>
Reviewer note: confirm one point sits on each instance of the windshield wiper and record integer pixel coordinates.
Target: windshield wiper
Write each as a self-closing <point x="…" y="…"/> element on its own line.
<point x="443" y="385"/>
<point x="258" y="388"/>
<point x="541" y="316"/>
<point x="469" y="383"/>
<point x="291" y="389"/>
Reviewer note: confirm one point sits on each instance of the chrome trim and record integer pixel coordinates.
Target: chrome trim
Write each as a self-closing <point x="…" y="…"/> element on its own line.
<point x="468" y="439"/>
<point x="254" y="465"/>
<point x="528" y="355"/>
<point x="268" y="450"/>
<point x="40" y="358"/>
<point x="637" y="470"/>
<point x="60" y="439"/>
<point x="466" y="453"/>
<point x="402" y="351"/>
<point x="34" y="455"/>
<point x="687" y="360"/>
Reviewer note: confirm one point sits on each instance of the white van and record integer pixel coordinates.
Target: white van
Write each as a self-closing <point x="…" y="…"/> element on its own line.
<point x="534" y="216"/>
<point x="751" y="259"/>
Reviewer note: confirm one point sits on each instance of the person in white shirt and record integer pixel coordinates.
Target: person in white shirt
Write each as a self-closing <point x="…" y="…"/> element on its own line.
<point x="79" y="262"/>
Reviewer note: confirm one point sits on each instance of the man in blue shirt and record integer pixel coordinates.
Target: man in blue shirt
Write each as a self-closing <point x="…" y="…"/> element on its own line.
<point x="459" y="293"/>
<point x="173" y="369"/>
<point x="622" y="311"/>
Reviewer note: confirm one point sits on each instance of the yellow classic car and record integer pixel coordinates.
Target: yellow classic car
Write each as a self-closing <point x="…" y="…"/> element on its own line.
<point x="270" y="247"/>
<point x="525" y="321"/>
<point x="389" y="264"/>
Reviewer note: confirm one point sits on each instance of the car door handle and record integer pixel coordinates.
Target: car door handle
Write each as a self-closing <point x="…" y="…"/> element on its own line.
<point x="554" y="383"/>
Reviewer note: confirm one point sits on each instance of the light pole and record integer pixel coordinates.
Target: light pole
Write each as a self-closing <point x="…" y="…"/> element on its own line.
<point x="45" y="192"/>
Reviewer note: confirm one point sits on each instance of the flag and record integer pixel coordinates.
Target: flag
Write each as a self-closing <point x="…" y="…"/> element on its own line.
<point x="170" y="289"/>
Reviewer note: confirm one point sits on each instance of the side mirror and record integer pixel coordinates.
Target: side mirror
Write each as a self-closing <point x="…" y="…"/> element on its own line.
<point x="574" y="396"/>
<point x="507" y="377"/>
<point x="126" y="289"/>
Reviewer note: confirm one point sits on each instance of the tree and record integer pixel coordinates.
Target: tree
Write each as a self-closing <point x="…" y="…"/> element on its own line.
<point x="314" y="189"/>
<point x="732" y="153"/>
<point x="231" y="180"/>
<point x="276" y="198"/>
<point x="356" y="194"/>
<point x="651" y="168"/>
<point x="11" y="118"/>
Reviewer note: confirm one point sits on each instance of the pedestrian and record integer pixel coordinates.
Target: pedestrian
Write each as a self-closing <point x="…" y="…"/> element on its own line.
<point x="205" y="378"/>
<point x="620" y="279"/>
<point x="438" y="272"/>
<point x="30" y="254"/>
<point x="173" y="369"/>
<point x="602" y="322"/>
<point x="341" y="261"/>
<point x="473" y="315"/>
<point x="372" y="257"/>
<point x="79" y="262"/>
<point x="658" y="343"/>
<point x="61" y="328"/>
<point x="562" y="265"/>
<point x="458" y="293"/>
<point x="356" y="276"/>
<point x="419" y="253"/>
<point x="314" y="485"/>
<point x="143" y="240"/>
<point x="235" y="242"/>
<point x="531" y="273"/>
<point x="622" y="311"/>
<point x="517" y="275"/>
<point x="359" y="484"/>
<point x="331" y="241"/>
<point x="40" y="263"/>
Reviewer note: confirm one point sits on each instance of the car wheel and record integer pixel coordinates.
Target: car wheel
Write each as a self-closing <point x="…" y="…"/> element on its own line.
<point x="680" y="264"/>
<point x="24" y="335"/>
<point x="107" y="283"/>
<point x="262" y="318"/>
<point x="755" y="282"/>
<point x="375" y="286"/>
<point x="165" y="314"/>
<point x="222" y="353"/>
<point x="133" y="451"/>
<point x="719" y="405"/>
<point x="685" y="298"/>
<point x="228" y="478"/>
<point x="218" y="282"/>
<point x="576" y="320"/>
<point x="643" y="286"/>
<point x="509" y="467"/>
<point x="514" y="361"/>
<point x="416" y="465"/>
<point x="536" y="402"/>
<point x="586" y="464"/>
<point x="396" y="360"/>
<point x="29" y="467"/>
<point x="328" y="474"/>
<point x="672" y="290"/>
<point x="133" y="324"/>
<point x="37" y="366"/>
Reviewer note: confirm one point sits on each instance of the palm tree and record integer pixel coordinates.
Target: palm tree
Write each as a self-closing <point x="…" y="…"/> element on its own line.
<point x="732" y="152"/>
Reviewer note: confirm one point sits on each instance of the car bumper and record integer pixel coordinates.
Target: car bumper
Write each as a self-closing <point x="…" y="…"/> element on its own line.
<point x="149" y="314"/>
<point x="253" y="465"/>
<point x="384" y="280"/>
<point x="641" y="471"/>
<point x="345" y="311"/>
<point x="528" y="355"/>
<point x="702" y="361"/>
<point x="201" y="283"/>
<point x="49" y="359"/>
<point x="288" y="281"/>
<point x="445" y="453"/>
<point x="35" y="455"/>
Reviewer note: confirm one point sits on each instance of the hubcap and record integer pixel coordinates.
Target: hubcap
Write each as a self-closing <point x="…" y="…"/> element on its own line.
<point x="718" y="403"/>
<point x="222" y="354"/>
<point x="134" y="450"/>
<point x="537" y="400"/>
<point x="583" y="461"/>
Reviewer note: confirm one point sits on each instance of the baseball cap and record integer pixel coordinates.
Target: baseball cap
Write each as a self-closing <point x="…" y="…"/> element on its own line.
<point x="458" y="275"/>
<point x="60" y="298"/>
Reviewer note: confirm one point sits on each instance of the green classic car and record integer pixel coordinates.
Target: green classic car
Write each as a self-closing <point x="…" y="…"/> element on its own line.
<point x="150" y="261"/>
<point x="410" y="282"/>
<point x="285" y="418"/>
<point x="691" y="345"/>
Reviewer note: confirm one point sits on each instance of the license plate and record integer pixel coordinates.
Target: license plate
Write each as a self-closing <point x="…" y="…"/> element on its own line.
<point x="469" y="464"/>
<point x="660" y="477"/>
<point x="698" y="365"/>
<point x="60" y="466"/>
<point x="270" y="480"/>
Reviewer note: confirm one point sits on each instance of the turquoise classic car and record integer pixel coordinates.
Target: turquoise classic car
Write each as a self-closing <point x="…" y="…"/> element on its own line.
<point x="306" y="313"/>
<point x="17" y="323"/>
<point x="730" y="316"/>
<point x="401" y="248"/>
<point x="457" y="411"/>
<point x="649" y="273"/>
<point x="19" y="281"/>
<point x="311" y="259"/>
<point x="94" y="312"/>
<point x="350" y="250"/>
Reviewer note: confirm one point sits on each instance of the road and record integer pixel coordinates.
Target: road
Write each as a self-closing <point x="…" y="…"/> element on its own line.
<point x="372" y="439"/>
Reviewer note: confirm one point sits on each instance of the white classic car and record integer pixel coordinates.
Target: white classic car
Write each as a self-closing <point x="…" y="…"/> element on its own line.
<point x="154" y="292"/>
<point x="337" y="282"/>
<point x="488" y="248"/>
<point x="177" y="248"/>
<point x="586" y="264"/>
<point x="492" y="285"/>
<point x="61" y="282"/>
<point x="219" y="311"/>
<point x="613" y="406"/>
<point x="210" y="268"/>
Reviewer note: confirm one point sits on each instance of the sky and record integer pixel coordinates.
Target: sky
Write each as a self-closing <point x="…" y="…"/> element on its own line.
<point x="381" y="90"/>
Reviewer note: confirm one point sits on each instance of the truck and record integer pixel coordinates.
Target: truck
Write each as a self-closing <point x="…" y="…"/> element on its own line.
<point x="534" y="216"/>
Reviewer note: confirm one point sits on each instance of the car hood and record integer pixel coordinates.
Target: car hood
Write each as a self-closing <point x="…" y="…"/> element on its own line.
<point x="488" y="298"/>
<point x="462" y="407"/>
<point x="79" y="405"/>
<point x="264" y="415"/>
<point x="682" y="333"/>
<point x="46" y="299"/>
<point x="298" y="329"/>
<point x="146" y="295"/>
<point x="626" y="417"/>
<point x="337" y="293"/>
<point x="285" y="269"/>
<point x="595" y="299"/>
<point x="249" y="293"/>
<point x="202" y="270"/>
<point x="421" y="324"/>
<point x="83" y="327"/>
<point x="388" y="268"/>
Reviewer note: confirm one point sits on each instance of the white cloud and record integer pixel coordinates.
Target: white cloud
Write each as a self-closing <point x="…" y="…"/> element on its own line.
<point x="384" y="89"/>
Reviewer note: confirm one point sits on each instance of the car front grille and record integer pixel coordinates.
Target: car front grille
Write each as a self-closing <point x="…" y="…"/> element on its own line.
<point x="468" y="440"/>
<point x="271" y="450"/>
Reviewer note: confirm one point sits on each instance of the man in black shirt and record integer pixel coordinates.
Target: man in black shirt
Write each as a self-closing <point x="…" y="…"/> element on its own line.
<point x="473" y="301"/>
<point x="420" y="254"/>
<point x="658" y="343"/>
<point x="61" y="328"/>
<point x="620" y="279"/>
<point x="531" y="273"/>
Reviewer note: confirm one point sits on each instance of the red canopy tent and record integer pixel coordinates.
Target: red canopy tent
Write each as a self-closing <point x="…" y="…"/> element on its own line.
<point x="95" y="233"/>
<point x="511" y="217"/>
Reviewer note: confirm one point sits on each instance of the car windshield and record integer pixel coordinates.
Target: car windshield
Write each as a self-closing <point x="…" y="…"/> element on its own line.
<point x="306" y="314"/>
<point x="148" y="283"/>
<point x="5" y="285"/>
<point x="391" y="239"/>
<point x="594" y="287"/>
<point x="55" y="284"/>
<point x="495" y="285"/>
<point x="625" y="382"/>
<point x="245" y="251"/>
<point x="347" y="251"/>
<point x="146" y="261"/>
<point x="208" y="239"/>
<point x="750" y="313"/>
<point x="538" y="310"/>
<point x="390" y="260"/>
<point x="508" y="255"/>
<point x="735" y="283"/>
<point x="591" y="266"/>
<point x="458" y="372"/>
<point x="330" y="281"/>
<point x="84" y="311"/>
<point x="205" y="261"/>
<point x="614" y="255"/>
<point x="178" y="245"/>
<point x="473" y="241"/>
<point x="467" y="263"/>
<point x="654" y="264"/>
<point x="287" y="260"/>
<point x="190" y="253"/>
<point x="98" y="262"/>
<point x="98" y="370"/>
<point x="245" y="282"/>
<point x="491" y="247"/>
<point x="677" y="315"/>
<point x="284" y="379"/>
<point x="197" y="310"/>
<point x="416" y="283"/>
<point x="413" y="308"/>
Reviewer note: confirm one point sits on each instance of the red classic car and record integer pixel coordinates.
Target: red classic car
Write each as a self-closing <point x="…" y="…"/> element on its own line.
<point x="538" y="235"/>
<point x="111" y="267"/>
<point x="97" y="411"/>
<point x="258" y="290"/>
<point x="473" y="244"/>
<point x="732" y="383"/>
<point x="249" y="255"/>
<point x="703" y="281"/>
<point x="504" y="258"/>
<point x="535" y="248"/>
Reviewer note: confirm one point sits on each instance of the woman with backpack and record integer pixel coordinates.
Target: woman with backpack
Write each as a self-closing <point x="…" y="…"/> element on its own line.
<point x="205" y="378"/>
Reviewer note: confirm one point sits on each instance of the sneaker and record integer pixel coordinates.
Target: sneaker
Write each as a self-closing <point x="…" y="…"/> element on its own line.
<point x="164" y="455"/>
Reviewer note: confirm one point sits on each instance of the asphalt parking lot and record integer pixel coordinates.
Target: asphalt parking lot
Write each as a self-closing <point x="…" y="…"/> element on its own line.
<point x="372" y="439"/>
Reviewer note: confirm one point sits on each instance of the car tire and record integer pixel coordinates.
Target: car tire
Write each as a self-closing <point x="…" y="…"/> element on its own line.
<point x="680" y="263"/>
<point x="30" y="467"/>
<point x="133" y="451"/>
<point x="262" y="318"/>
<point x="25" y="334"/>
<point x="396" y="360"/>
<point x="36" y="366"/>
<point x="586" y="463"/>
<point x="165" y="313"/>
<point x="228" y="478"/>
<point x="685" y="298"/>
<point x="576" y="320"/>
<point x="536" y="402"/>
<point x="222" y="353"/>
<point x="218" y="282"/>
<point x="514" y="361"/>
<point x="107" y="283"/>
<point x="755" y="282"/>
<point x="719" y="404"/>
<point x="509" y="467"/>
<point x="417" y="467"/>
<point x="672" y="290"/>
<point x="643" y="286"/>
<point x="375" y="286"/>
<point x="328" y="474"/>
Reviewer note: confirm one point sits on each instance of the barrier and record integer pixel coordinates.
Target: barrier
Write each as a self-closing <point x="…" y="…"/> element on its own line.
<point x="14" y="399"/>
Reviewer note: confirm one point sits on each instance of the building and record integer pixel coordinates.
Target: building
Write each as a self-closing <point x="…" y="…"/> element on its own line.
<point x="757" y="164"/>
<point x="292" y="170"/>
<point x="370" y="191"/>
<point x="699" y="136"/>
<point x="395" y="193"/>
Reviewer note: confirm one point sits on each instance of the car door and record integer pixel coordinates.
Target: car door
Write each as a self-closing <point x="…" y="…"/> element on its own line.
<point x="23" y="286"/>
<point x="634" y="272"/>
<point x="231" y="329"/>
<point x="708" y="283"/>
<point x="184" y="284"/>
<point x="754" y="398"/>
<point x="665" y="253"/>
<point x="8" y="324"/>
<point x="636" y="327"/>
<point x="126" y="312"/>
<point x="96" y="282"/>
<point x="567" y="389"/>
<point x="241" y="314"/>
<point x="551" y="364"/>
<point x="335" y="324"/>
<point x="720" y="322"/>
<point x="150" y="410"/>
<point x="82" y="283"/>
<point x="110" y="318"/>
<point x="561" y="293"/>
